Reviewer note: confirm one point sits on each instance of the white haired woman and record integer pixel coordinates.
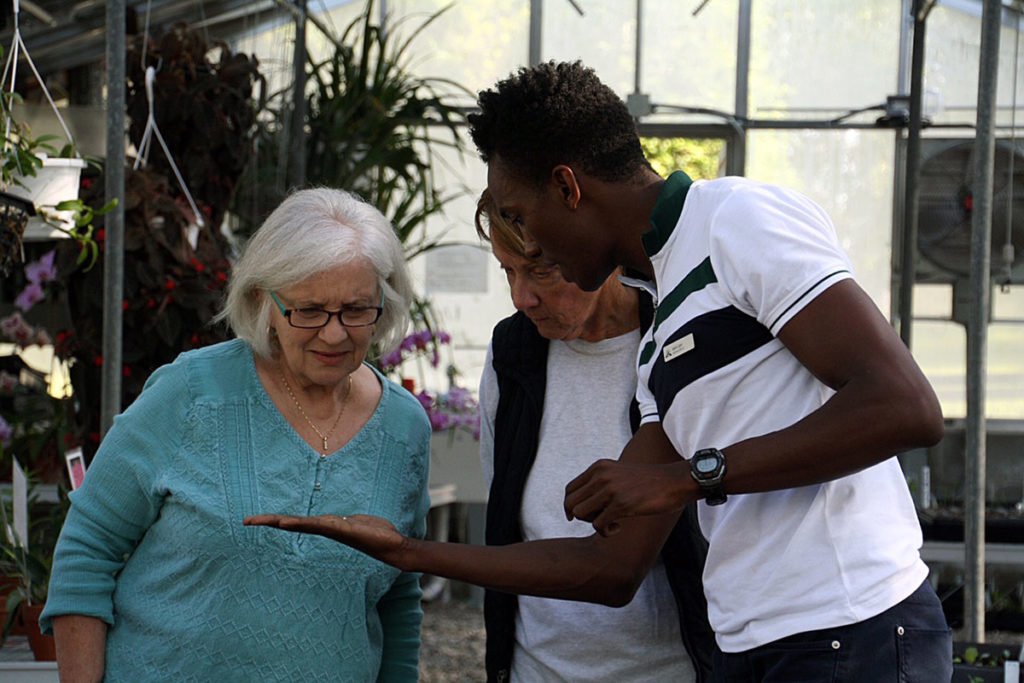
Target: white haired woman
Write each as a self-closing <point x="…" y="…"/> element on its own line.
<point x="155" y="577"/>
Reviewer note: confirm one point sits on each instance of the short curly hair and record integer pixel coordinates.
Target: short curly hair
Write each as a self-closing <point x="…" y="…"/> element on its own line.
<point x="557" y="113"/>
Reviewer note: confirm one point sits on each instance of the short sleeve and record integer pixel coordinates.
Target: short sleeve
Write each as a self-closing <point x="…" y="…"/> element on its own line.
<point x="773" y="251"/>
<point x="644" y="397"/>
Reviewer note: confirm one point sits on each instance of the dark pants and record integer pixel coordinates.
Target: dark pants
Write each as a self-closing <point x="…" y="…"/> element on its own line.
<point x="909" y="643"/>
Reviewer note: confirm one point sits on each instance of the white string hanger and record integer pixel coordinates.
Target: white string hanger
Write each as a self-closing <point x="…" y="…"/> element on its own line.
<point x="151" y="129"/>
<point x="148" y="132"/>
<point x="11" y="68"/>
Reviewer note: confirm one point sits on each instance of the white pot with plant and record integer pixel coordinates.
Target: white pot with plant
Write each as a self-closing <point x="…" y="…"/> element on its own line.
<point x="32" y="167"/>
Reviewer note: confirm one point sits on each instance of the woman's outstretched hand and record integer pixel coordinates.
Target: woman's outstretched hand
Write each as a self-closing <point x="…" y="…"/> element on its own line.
<point x="375" y="536"/>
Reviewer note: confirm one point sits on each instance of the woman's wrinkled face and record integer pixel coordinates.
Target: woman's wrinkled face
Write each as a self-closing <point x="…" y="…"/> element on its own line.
<point x="559" y="309"/>
<point x="326" y="355"/>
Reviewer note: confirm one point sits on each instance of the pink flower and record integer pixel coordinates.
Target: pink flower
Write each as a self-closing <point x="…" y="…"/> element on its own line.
<point x="439" y="421"/>
<point x="42" y="270"/>
<point x="426" y="400"/>
<point x="391" y="360"/>
<point x="422" y="338"/>
<point x="42" y="338"/>
<point x="30" y="296"/>
<point x="17" y="330"/>
<point x="461" y="397"/>
<point x="9" y="324"/>
<point x="6" y="432"/>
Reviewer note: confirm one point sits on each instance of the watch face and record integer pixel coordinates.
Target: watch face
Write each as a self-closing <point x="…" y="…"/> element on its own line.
<point x="706" y="465"/>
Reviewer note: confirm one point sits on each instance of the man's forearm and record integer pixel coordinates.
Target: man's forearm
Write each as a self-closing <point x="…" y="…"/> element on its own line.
<point x="589" y="569"/>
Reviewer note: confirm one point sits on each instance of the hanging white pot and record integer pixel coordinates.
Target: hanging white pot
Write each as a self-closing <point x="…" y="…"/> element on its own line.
<point x="57" y="180"/>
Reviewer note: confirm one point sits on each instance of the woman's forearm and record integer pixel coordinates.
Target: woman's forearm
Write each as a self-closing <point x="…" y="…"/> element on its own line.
<point x="81" y="647"/>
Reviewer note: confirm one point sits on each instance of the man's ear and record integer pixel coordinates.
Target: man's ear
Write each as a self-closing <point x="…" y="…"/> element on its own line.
<point x="568" y="187"/>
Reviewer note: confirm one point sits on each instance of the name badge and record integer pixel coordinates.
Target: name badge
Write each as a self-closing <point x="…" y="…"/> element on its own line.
<point x="678" y="347"/>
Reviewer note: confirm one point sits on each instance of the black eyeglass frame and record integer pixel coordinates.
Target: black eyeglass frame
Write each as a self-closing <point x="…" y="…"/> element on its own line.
<point x="287" y="313"/>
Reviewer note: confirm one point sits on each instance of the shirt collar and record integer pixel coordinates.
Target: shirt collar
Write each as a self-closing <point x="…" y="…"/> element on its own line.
<point x="666" y="212"/>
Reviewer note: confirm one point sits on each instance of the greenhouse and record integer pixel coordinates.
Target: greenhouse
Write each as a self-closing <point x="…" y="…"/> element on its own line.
<point x="896" y="122"/>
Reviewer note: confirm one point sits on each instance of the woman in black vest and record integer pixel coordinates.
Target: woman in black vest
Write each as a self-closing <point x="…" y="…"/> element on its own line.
<point x="570" y="354"/>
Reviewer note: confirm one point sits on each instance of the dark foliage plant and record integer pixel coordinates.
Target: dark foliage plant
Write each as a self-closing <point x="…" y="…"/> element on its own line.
<point x="174" y="270"/>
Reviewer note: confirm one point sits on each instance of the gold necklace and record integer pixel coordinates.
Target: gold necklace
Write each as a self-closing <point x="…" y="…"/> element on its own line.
<point x="298" y="405"/>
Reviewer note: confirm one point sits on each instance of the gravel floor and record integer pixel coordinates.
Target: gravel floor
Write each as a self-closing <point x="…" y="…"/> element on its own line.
<point x="453" y="642"/>
<point x="452" y="649"/>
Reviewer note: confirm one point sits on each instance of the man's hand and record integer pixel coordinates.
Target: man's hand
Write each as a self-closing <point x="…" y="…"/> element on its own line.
<point x="609" y="490"/>
<point x="375" y="536"/>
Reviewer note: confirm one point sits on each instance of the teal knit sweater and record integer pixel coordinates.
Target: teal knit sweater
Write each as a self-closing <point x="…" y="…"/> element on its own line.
<point x="154" y="543"/>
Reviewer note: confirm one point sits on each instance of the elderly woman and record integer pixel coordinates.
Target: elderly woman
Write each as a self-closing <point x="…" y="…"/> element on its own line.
<point x="556" y="395"/>
<point x="155" y="577"/>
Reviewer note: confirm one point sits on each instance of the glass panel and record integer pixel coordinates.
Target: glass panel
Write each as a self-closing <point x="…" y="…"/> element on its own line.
<point x="603" y="38"/>
<point x="815" y="59"/>
<point x="952" y="48"/>
<point x="685" y="59"/>
<point x="473" y="43"/>
<point x="849" y="173"/>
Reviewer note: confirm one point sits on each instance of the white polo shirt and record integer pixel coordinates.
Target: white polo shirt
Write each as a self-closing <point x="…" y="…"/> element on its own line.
<point x="733" y="264"/>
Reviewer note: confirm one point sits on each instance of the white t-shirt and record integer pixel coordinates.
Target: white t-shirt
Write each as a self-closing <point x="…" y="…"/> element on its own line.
<point x="586" y="417"/>
<point x="739" y="262"/>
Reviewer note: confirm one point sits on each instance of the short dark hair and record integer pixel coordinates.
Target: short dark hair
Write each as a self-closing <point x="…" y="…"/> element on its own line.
<point x="557" y="113"/>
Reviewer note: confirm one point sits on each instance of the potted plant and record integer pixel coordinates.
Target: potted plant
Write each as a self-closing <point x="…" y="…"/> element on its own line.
<point x="34" y="169"/>
<point x="39" y="191"/>
<point x="30" y="567"/>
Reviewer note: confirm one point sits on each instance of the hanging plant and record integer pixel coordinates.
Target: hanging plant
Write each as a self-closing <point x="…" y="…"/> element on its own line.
<point x="174" y="271"/>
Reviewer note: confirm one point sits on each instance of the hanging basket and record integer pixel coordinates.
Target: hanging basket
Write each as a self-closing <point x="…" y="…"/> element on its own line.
<point x="15" y="213"/>
<point x="57" y="180"/>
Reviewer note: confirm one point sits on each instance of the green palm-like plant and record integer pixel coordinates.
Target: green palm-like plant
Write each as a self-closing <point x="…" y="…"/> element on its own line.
<point x="372" y="129"/>
<point x="374" y="125"/>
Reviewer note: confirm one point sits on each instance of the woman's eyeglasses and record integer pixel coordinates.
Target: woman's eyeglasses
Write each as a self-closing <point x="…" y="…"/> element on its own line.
<point x="312" y="318"/>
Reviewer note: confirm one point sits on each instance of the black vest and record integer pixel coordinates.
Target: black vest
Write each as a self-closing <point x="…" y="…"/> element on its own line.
<point x="520" y="361"/>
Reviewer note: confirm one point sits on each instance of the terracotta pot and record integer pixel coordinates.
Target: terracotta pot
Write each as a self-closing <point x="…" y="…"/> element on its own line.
<point x="44" y="647"/>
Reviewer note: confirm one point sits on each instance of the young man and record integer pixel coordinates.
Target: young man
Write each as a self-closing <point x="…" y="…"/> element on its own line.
<point x="767" y="369"/>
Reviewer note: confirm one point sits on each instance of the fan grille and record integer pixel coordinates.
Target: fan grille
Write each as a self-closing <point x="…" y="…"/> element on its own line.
<point x="945" y="208"/>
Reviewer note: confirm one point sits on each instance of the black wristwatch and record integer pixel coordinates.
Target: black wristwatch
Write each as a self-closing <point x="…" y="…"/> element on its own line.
<point x="707" y="467"/>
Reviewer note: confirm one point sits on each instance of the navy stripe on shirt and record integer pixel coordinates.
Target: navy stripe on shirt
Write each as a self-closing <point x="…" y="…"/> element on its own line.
<point x="719" y="338"/>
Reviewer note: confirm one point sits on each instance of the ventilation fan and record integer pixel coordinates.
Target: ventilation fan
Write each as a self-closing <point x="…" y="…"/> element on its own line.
<point x="945" y="210"/>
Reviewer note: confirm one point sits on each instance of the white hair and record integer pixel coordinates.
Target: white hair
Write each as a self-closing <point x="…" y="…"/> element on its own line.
<point x="310" y="232"/>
